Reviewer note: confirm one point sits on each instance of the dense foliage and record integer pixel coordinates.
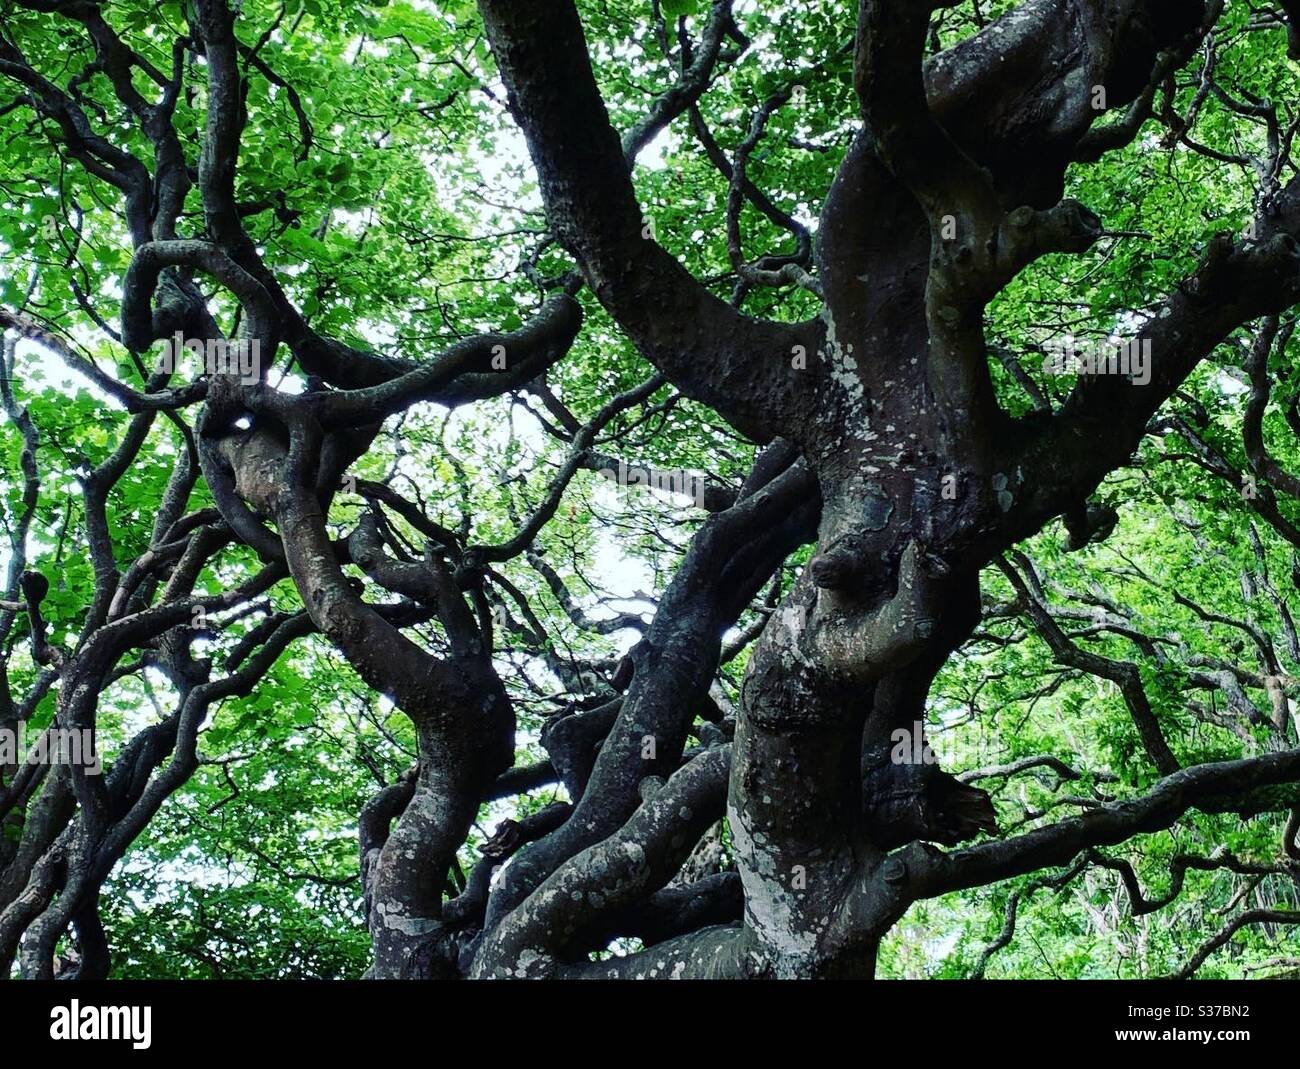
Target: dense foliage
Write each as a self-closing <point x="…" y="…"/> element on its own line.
<point x="383" y="182"/>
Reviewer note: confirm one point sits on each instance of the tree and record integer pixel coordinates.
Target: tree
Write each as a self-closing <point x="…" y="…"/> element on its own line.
<point x="312" y="522"/>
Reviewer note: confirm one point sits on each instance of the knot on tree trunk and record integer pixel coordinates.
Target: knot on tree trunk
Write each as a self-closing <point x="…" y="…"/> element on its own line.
<point x="906" y="801"/>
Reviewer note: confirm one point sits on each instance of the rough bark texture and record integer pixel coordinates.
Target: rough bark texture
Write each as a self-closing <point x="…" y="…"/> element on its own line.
<point x="933" y="211"/>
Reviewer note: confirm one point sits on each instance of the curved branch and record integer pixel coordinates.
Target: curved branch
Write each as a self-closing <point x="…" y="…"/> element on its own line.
<point x="1225" y="934"/>
<point x="737" y="365"/>
<point x="638" y="859"/>
<point x="1220" y="786"/>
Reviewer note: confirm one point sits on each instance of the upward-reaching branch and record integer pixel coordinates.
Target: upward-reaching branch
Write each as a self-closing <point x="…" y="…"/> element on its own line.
<point x="737" y="365"/>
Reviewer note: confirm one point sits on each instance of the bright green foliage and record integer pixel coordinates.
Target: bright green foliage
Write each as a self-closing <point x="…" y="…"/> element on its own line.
<point x="402" y="223"/>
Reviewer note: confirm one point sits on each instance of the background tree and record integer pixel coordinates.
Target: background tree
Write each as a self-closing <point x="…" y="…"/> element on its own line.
<point x="797" y="267"/>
